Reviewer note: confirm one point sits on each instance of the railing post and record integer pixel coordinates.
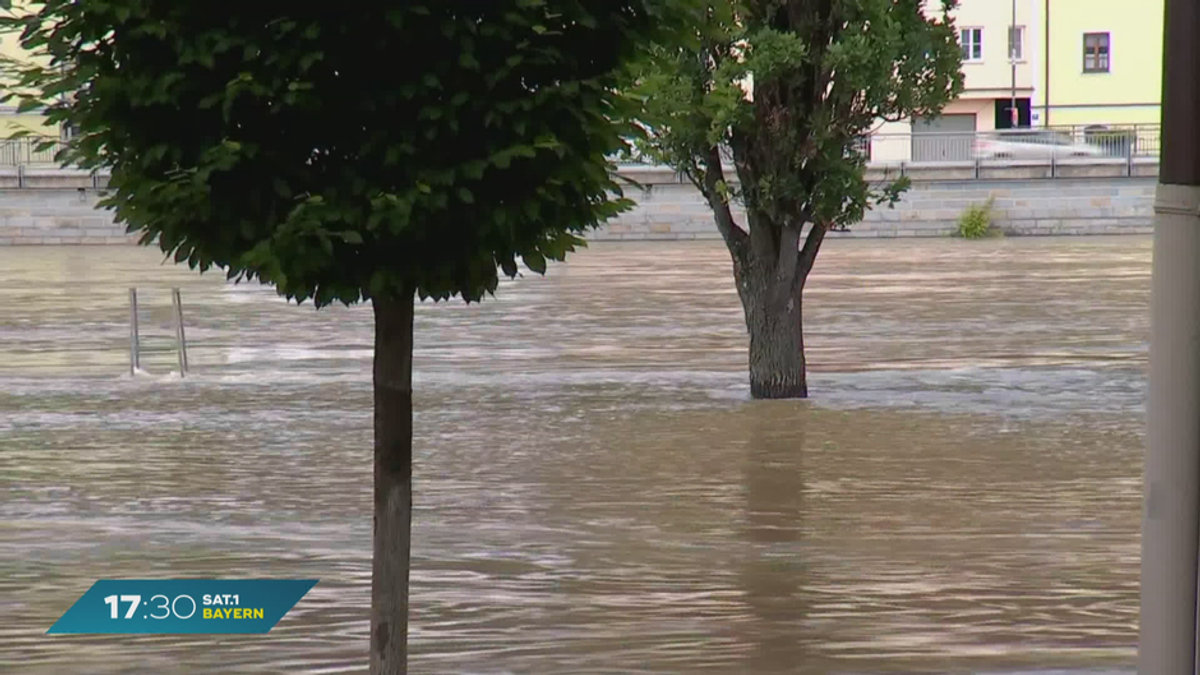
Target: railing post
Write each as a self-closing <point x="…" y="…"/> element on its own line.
<point x="20" y="175"/>
<point x="134" y="351"/>
<point x="180" y="338"/>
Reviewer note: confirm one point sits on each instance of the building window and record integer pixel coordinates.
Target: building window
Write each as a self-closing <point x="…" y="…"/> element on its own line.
<point x="1016" y="43"/>
<point x="1095" y="52"/>
<point x="971" y="40"/>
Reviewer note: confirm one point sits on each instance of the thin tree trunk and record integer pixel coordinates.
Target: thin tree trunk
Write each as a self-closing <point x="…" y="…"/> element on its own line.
<point x="393" y="484"/>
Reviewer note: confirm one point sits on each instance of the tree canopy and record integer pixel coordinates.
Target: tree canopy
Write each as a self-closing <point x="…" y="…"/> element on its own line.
<point x="345" y="155"/>
<point x="790" y="87"/>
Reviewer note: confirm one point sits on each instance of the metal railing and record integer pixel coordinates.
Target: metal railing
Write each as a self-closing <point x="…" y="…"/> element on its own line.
<point x="1077" y="143"/>
<point x="29" y="151"/>
<point x="1095" y="143"/>
<point x="1080" y="143"/>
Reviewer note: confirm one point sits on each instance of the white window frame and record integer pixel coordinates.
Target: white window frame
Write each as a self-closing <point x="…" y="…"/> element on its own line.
<point x="974" y="43"/>
<point x="1019" y="57"/>
<point x="1107" y="53"/>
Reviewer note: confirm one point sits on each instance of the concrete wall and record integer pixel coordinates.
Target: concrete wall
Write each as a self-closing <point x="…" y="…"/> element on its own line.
<point x="55" y="216"/>
<point x="54" y="207"/>
<point x="1084" y="199"/>
<point x="57" y="207"/>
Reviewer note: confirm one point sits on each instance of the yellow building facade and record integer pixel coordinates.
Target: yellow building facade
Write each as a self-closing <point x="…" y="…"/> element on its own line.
<point x="1077" y="63"/>
<point x="10" y="121"/>
<point x="1103" y="62"/>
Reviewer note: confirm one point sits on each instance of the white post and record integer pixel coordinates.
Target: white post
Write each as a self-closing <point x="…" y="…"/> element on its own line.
<point x="1171" y="526"/>
<point x="1171" y="514"/>
<point x="134" y="351"/>
<point x="180" y="338"/>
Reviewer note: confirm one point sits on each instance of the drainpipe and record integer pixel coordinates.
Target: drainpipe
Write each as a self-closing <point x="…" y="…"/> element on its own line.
<point x="1171" y="512"/>
<point x="1046" y="50"/>
<point x="1012" y="60"/>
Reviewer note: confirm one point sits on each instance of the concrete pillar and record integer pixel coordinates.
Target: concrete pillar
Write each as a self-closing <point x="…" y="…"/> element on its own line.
<point x="1171" y="517"/>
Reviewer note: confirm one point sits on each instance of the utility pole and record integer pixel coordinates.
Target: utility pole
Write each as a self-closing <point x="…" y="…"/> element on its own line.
<point x="1012" y="60"/>
<point x="1046" y="65"/>
<point x="1171" y="512"/>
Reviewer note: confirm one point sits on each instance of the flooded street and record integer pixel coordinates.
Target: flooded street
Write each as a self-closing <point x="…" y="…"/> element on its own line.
<point x="595" y="492"/>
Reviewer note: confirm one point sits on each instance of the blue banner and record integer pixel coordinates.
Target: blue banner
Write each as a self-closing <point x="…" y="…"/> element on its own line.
<point x="127" y="606"/>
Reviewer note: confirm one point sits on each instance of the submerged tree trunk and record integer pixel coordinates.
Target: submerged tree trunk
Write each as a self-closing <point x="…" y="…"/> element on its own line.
<point x="776" y="344"/>
<point x="770" y="268"/>
<point x="393" y="484"/>
<point x="770" y="274"/>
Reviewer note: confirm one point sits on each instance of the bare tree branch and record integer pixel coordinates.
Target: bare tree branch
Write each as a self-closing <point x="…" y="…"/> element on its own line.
<point x="808" y="255"/>
<point x="714" y="176"/>
<point x="693" y="174"/>
<point x="789" y="244"/>
<point x="788" y="264"/>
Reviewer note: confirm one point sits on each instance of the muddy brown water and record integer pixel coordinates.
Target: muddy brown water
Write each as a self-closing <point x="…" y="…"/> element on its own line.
<point x="595" y="492"/>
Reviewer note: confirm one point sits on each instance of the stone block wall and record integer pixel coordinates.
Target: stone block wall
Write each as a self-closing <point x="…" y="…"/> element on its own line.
<point x="53" y="206"/>
<point x="1081" y="200"/>
<point x="60" y="215"/>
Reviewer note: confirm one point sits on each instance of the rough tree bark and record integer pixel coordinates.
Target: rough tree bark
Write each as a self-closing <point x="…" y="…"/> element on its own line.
<point x="393" y="484"/>
<point x="770" y="269"/>
<point x="770" y="284"/>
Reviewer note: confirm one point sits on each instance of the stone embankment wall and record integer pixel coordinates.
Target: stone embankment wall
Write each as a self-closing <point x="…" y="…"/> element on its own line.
<point x="53" y="206"/>
<point x="1114" y="198"/>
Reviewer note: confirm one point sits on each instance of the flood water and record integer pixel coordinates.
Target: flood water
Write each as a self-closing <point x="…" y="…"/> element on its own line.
<point x="595" y="492"/>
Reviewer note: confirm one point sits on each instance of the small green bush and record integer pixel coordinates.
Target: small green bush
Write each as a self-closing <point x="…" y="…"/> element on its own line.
<point x="976" y="221"/>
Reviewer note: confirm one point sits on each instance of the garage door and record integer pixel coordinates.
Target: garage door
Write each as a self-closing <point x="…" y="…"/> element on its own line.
<point x="943" y="139"/>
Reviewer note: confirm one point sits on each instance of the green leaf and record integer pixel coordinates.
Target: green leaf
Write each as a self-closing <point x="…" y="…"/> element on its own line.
<point x="468" y="61"/>
<point x="509" y="267"/>
<point x="474" y="169"/>
<point x="534" y="261"/>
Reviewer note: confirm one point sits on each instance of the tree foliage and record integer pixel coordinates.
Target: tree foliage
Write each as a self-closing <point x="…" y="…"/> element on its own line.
<point x="341" y="155"/>
<point x="790" y="86"/>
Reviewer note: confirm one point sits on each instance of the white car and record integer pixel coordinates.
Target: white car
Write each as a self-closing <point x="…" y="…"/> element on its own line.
<point x="1032" y="145"/>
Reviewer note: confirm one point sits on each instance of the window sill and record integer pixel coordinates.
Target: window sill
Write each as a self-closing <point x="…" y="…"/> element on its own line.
<point x="1097" y="72"/>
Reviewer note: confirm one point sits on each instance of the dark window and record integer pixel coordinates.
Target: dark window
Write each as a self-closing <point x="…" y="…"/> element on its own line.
<point x="1095" y="52"/>
<point x="971" y="40"/>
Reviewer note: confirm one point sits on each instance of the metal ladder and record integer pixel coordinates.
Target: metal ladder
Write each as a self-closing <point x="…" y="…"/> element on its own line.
<point x="135" y="356"/>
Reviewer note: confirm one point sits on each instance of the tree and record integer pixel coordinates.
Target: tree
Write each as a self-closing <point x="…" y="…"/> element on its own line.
<point x="784" y="90"/>
<point x="387" y="151"/>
